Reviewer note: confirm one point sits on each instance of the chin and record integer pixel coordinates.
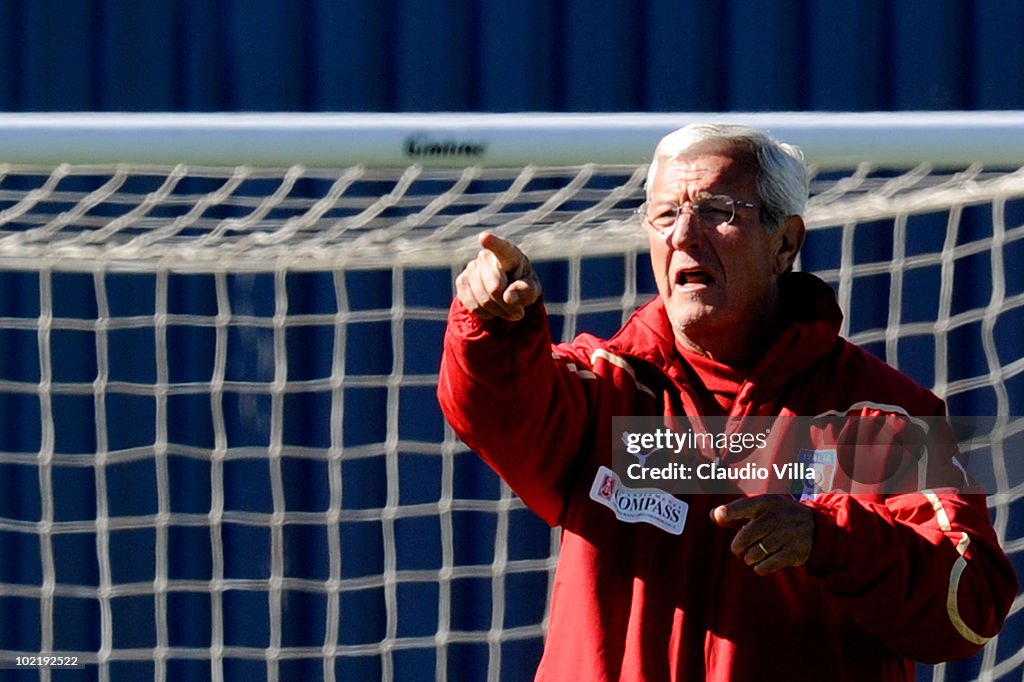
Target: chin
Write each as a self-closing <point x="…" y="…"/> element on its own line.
<point x="686" y="318"/>
<point x="691" y="306"/>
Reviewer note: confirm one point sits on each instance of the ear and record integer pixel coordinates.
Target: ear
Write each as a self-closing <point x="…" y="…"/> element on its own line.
<point x="788" y="239"/>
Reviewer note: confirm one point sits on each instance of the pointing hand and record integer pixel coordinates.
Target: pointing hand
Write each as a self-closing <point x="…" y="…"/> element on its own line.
<point x="499" y="282"/>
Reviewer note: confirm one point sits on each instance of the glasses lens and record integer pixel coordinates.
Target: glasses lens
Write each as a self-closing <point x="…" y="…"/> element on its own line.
<point x="715" y="210"/>
<point x="709" y="211"/>
<point x="662" y="217"/>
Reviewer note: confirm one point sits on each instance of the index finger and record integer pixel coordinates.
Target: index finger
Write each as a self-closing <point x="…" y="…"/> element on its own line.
<point x="508" y="254"/>
<point x="743" y="509"/>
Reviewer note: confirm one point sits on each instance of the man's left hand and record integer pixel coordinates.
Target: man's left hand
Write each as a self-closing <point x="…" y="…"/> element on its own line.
<point x="776" y="532"/>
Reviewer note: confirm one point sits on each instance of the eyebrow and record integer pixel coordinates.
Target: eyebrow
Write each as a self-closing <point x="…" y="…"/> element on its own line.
<point x="672" y="200"/>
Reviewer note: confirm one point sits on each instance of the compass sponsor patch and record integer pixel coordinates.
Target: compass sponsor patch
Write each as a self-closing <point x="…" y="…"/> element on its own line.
<point x="639" y="505"/>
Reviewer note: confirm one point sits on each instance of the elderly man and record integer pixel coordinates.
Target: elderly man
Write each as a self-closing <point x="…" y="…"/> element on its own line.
<point x="835" y="586"/>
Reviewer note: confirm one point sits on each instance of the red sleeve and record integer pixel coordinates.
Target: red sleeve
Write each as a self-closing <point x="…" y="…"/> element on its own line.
<point x="511" y="401"/>
<point x="923" y="572"/>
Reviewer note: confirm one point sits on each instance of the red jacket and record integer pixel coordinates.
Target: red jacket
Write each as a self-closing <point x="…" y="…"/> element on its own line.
<point x="890" y="579"/>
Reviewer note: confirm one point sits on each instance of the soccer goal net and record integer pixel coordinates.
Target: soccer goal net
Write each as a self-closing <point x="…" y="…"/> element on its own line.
<point x="221" y="455"/>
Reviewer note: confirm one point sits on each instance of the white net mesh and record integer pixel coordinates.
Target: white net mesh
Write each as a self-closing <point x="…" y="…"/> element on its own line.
<point x="222" y="456"/>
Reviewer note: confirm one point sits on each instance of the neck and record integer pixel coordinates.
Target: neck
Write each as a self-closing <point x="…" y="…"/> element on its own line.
<point x="739" y="349"/>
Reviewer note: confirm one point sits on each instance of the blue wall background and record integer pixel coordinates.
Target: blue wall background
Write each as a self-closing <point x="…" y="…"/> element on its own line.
<point x="421" y="55"/>
<point x="510" y="55"/>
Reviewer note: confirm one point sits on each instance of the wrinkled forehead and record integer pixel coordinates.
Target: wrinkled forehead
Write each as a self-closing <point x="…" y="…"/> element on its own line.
<point x="714" y="166"/>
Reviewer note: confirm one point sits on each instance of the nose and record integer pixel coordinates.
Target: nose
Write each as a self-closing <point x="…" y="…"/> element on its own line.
<point x="686" y="234"/>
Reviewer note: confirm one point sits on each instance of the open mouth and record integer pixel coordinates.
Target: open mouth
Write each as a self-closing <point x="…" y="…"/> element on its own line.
<point x="693" y="277"/>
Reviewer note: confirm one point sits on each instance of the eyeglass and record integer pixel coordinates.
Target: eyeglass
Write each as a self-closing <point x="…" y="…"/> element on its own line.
<point x="710" y="210"/>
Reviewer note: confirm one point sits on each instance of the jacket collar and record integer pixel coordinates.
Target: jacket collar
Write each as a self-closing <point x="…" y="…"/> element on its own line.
<point x="807" y="301"/>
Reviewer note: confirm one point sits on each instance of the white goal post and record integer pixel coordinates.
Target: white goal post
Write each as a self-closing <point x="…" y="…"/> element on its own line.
<point x="220" y="453"/>
<point x="830" y="140"/>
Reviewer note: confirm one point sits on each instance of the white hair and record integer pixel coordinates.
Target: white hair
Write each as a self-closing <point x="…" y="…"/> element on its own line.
<point x="782" y="179"/>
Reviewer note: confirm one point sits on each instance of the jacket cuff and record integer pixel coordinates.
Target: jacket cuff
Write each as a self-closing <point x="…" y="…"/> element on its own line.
<point x="825" y="551"/>
<point x="468" y="326"/>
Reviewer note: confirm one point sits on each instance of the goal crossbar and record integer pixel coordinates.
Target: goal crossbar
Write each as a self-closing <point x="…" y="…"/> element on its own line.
<point x="830" y="140"/>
